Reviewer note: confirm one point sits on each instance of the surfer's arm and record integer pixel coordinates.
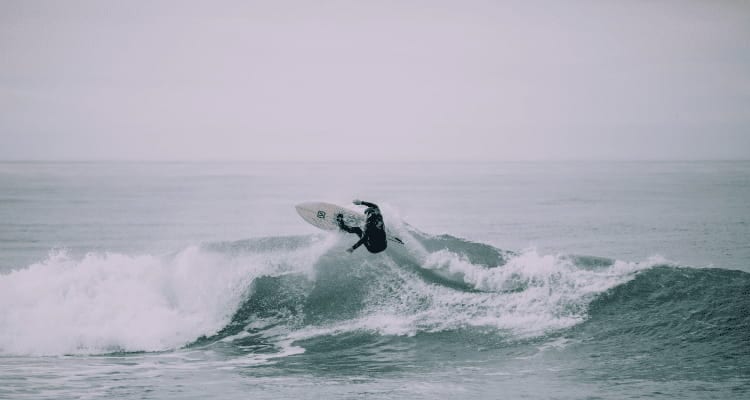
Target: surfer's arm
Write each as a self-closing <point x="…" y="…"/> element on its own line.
<point x="366" y="204"/>
<point x="359" y="243"/>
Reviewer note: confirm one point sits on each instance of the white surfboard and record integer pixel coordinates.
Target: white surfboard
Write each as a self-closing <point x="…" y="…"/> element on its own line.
<point x="323" y="216"/>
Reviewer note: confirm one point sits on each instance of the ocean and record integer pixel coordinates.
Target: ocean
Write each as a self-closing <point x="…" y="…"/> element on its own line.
<point x="564" y="280"/>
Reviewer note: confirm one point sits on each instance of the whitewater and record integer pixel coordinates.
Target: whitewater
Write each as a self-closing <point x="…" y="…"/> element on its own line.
<point x="190" y="280"/>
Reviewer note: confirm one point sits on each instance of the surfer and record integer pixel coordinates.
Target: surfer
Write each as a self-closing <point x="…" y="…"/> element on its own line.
<point x="373" y="237"/>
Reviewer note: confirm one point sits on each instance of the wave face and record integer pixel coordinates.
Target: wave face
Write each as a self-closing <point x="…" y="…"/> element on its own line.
<point x="275" y="295"/>
<point x="683" y="323"/>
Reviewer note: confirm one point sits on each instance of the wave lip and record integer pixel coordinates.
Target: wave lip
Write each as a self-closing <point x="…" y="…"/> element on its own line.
<point x="529" y="295"/>
<point x="450" y="285"/>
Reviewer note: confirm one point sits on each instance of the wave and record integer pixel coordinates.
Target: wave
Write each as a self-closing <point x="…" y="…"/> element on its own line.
<point x="263" y="295"/>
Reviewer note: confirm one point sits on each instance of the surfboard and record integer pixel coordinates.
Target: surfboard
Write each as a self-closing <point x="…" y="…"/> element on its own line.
<point x="323" y="216"/>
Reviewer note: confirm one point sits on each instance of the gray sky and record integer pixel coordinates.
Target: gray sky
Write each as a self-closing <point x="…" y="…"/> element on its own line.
<point x="374" y="80"/>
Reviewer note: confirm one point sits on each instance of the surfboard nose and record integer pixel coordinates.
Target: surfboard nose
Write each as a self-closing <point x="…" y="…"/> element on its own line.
<point x="302" y="207"/>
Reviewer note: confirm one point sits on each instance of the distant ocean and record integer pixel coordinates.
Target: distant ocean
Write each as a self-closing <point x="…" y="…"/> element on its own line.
<point x="565" y="280"/>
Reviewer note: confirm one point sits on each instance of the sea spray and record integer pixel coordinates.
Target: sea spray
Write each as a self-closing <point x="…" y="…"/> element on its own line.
<point x="110" y="302"/>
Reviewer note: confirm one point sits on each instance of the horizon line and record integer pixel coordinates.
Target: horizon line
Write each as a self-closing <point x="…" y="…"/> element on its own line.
<point x="384" y="161"/>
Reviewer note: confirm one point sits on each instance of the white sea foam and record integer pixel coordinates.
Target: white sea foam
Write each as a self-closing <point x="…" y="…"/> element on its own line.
<point x="114" y="302"/>
<point x="530" y="295"/>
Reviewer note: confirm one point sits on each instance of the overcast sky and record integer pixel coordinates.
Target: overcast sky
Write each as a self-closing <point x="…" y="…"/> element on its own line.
<point x="374" y="80"/>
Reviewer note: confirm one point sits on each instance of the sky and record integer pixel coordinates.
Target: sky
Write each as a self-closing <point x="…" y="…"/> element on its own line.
<point x="374" y="80"/>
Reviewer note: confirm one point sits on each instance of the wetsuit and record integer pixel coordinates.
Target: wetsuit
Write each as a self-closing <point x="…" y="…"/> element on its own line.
<point x="373" y="236"/>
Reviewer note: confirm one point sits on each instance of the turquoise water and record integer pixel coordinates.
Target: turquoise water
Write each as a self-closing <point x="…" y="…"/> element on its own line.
<point x="541" y="280"/>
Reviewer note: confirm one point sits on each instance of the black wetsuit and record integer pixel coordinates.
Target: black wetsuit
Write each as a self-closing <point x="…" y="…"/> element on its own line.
<point x="373" y="237"/>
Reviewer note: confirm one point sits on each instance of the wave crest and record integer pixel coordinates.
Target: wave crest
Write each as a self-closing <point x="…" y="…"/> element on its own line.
<point x="258" y="293"/>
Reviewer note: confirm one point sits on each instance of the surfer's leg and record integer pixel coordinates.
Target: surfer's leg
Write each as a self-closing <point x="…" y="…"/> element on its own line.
<point x="351" y="229"/>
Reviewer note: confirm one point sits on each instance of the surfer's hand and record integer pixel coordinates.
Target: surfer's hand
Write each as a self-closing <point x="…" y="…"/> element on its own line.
<point x="349" y="250"/>
<point x="357" y="201"/>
